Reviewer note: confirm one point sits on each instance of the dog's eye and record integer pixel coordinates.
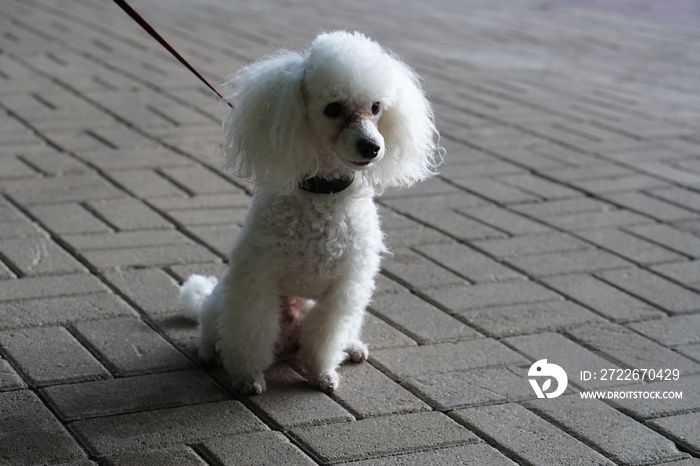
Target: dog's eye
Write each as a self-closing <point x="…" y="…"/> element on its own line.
<point x="333" y="110"/>
<point x="375" y="108"/>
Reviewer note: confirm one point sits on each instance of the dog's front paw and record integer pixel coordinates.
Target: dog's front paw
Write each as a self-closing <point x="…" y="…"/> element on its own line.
<point x="327" y="382"/>
<point x="357" y="351"/>
<point x="249" y="385"/>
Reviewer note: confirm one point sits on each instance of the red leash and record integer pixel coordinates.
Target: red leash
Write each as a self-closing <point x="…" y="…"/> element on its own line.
<point x="149" y="29"/>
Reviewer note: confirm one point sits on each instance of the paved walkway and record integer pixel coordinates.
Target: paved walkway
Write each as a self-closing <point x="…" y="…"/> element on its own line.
<point x="565" y="226"/>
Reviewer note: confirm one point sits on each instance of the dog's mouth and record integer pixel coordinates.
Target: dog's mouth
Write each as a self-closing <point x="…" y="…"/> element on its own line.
<point x="362" y="164"/>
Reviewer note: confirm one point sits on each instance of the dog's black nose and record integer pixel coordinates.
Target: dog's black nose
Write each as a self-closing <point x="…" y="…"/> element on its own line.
<point x="368" y="149"/>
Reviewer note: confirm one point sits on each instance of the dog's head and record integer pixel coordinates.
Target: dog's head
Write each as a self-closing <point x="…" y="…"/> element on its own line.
<point x="345" y="106"/>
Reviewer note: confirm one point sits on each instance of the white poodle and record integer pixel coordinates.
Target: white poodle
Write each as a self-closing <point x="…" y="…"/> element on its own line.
<point x="319" y="134"/>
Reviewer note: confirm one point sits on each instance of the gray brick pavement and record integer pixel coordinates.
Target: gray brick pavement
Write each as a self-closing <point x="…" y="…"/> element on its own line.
<point x="565" y="226"/>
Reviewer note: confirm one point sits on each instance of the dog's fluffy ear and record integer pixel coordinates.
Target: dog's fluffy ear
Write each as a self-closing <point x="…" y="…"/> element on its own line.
<point x="265" y="133"/>
<point x="408" y="127"/>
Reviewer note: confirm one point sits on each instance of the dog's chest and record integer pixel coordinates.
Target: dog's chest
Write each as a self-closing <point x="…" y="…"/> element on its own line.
<point x="318" y="240"/>
<point x="321" y="234"/>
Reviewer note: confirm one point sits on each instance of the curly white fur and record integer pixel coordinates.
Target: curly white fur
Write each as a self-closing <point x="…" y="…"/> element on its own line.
<point x="302" y="269"/>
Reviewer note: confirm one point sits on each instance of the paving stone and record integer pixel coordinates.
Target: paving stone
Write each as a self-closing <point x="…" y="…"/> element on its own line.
<point x="412" y="236"/>
<point x="630" y="349"/>
<point x="685" y="429"/>
<point x="595" y="220"/>
<point x="659" y="407"/>
<point x="630" y="247"/>
<point x="37" y="255"/>
<point x="67" y="188"/>
<point x="458" y="225"/>
<point x="143" y="157"/>
<point x="572" y="357"/>
<point x="486" y="386"/>
<point x="69" y="218"/>
<point x="420" y="320"/>
<point x="43" y="287"/>
<point x="376" y="437"/>
<point x="687" y="273"/>
<point x="62" y="310"/>
<point x="5" y="272"/>
<point x="679" y="196"/>
<point x="673" y="239"/>
<point x="174" y="456"/>
<point x="35" y="436"/>
<point x="384" y="284"/>
<point x="377" y="334"/>
<point x="218" y="237"/>
<point x="199" y="180"/>
<point x="54" y="163"/>
<point x="671" y="173"/>
<point x="153" y="290"/>
<point x="212" y="269"/>
<point x="430" y="187"/>
<point x="210" y="216"/>
<point x="556" y="208"/>
<point x="257" y="449"/>
<point x="478" y="169"/>
<point x="561" y="263"/>
<point x="418" y="272"/>
<point x="526" y="436"/>
<point x="619" y="437"/>
<point x="572" y="134"/>
<point x="420" y="207"/>
<point x="106" y="138"/>
<point x="505" y="220"/>
<point x="202" y="201"/>
<point x="522" y="319"/>
<point x="494" y="191"/>
<point x="133" y="394"/>
<point x="290" y="401"/>
<point x="444" y="357"/>
<point x="685" y="462"/>
<point x="531" y="245"/>
<point x="654" y="289"/>
<point x="9" y="379"/>
<point x="692" y="351"/>
<point x="148" y="256"/>
<point x="643" y="203"/>
<point x="491" y="294"/>
<point x="468" y="263"/>
<point x="129" y="346"/>
<point x="688" y="226"/>
<point x="129" y="214"/>
<point x="673" y="331"/>
<point x="603" y="298"/>
<point x="477" y="454"/>
<point x="126" y="239"/>
<point x="9" y="213"/>
<point x="14" y="167"/>
<point x="539" y="186"/>
<point x="50" y="355"/>
<point x="605" y="186"/>
<point x="146" y="183"/>
<point x="366" y="392"/>
<point x="163" y="428"/>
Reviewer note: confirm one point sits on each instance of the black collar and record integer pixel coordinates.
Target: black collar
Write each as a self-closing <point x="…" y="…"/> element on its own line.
<point x="319" y="185"/>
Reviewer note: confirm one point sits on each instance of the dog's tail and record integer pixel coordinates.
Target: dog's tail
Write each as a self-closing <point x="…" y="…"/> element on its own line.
<point x="194" y="292"/>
